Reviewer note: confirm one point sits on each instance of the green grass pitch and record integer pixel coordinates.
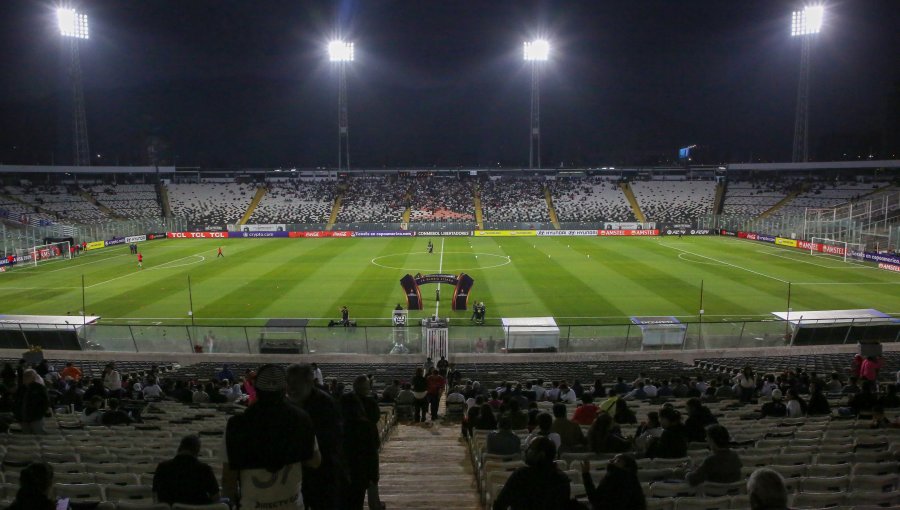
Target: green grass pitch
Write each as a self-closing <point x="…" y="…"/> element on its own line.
<point x="578" y="280"/>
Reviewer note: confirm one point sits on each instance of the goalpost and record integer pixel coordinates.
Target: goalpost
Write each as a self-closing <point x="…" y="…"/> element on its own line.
<point x="47" y="252"/>
<point x="842" y="249"/>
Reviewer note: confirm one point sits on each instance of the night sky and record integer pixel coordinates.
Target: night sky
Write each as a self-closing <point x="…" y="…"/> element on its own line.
<point x="229" y="83"/>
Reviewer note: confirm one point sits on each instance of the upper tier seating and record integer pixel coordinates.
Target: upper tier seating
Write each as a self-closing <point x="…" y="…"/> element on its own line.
<point x="129" y="200"/>
<point x="514" y="200"/>
<point x="752" y="199"/>
<point x="674" y="201"/>
<point x="373" y="199"/>
<point x="295" y="201"/>
<point x="826" y="195"/>
<point x="211" y="203"/>
<point x="441" y="199"/>
<point x="58" y="200"/>
<point x="589" y="199"/>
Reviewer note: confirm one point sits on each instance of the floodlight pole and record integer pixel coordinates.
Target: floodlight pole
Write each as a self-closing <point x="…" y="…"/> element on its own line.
<point x="82" y="152"/>
<point x="801" y="118"/>
<point x="343" y="121"/>
<point x="534" y="146"/>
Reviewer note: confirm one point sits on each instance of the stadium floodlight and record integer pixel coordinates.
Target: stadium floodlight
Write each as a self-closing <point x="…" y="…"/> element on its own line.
<point x="340" y="51"/>
<point x="804" y="24"/>
<point x="72" y="23"/>
<point x="537" y="50"/>
<point x="808" y="21"/>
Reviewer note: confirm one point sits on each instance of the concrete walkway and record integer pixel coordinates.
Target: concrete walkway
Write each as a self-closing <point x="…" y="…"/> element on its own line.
<point x="426" y="466"/>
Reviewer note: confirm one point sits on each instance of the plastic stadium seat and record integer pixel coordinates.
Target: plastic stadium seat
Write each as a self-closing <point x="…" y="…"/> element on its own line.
<point x="116" y="479"/>
<point x="720" y="503"/>
<point x="873" y="483"/>
<point x="821" y="485"/>
<point x="671" y="490"/>
<point x="873" y="498"/>
<point x="654" y="475"/>
<point x="214" y="506"/>
<point x="790" y="471"/>
<point x="875" y="468"/>
<point x="128" y="492"/>
<point x="818" y="500"/>
<point x="79" y="492"/>
<point x="828" y="470"/>
<point x="713" y="489"/>
<point x="141" y="505"/>
<point x="660" y="504"/>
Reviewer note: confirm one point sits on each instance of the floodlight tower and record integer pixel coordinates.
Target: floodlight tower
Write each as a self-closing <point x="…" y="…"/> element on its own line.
<point x="805" y="24"/>
<point x="73" y="27"/>
<point x="341" y="53"/>
<point x="536" y="52"/>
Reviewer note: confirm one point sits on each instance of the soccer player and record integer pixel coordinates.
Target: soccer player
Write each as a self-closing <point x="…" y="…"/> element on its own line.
<point x="220" y="254"/>
<point x="140" y="261"/>
<point x="430" y="247"/>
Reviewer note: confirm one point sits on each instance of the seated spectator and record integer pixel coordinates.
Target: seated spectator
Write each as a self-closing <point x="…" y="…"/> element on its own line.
<point x="723" y="465"/>
<point x="699" y="417"/>
<point x="151" y="390"/>
<point x="539" y="484"/>
<point x="637" y="393"/>
<point x="405" y="396"/>
<point x="185" y="479"/>
<point x="486" y="418"/>
<point x="503" y="441"/>
<point x="664" y="389"/>
<point x="181" y="393"/>
<point x="766" y="490"/>
<point x="72" y="371"/>
<point x="35" y="487"/>
<point x="570" y="434"/>
<point x="672" y="443"/>
<point x="32" y="403"/>
<point x="796" y="407"/>
<point x="604" y="436"/>
<point x="852" y="387"/>
<point x="834" y="384"/>
<point x="650" y="389"/>
<point x="768" y="385"/>
<point x="724" y="390"/>
<point x="620" y="488"/>
<point x="745" y="383"/>
<point x="647" y="432"/>
<point x="199" y="396"/>
<point x="115" y="416"/>
<point x="818" y="403"/>
<point x="517" y="418"/>
<point x="471" y="417"/>
<point x="621" y="387"/>
<point x="774" y="408"/>
<point x="92" y="413"/>
<point x="225" y="374"/>
<point x="389" y="395"/>
<point x="544" y="424"/>
<point x="566" y="394"/>
<point x="587" y="411"/>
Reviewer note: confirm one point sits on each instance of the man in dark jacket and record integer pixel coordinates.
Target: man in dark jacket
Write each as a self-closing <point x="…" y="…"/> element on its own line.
<point x="723" y="465"/>
<point x="185" y="479"/>
<point x="32" y="403"/>
<point x="322" y="486"/>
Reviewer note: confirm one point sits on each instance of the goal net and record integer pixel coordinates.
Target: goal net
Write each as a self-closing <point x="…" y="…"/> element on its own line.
<point x="832" y="247"/>
<point x="46" y="252"/>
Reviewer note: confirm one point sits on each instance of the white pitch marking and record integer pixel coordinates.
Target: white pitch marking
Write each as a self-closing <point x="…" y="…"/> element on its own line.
<point x="161" y="266"/>
<point x="87" y="263"/>
<point x="793" y="259"/>
<point x="726" y="263"/>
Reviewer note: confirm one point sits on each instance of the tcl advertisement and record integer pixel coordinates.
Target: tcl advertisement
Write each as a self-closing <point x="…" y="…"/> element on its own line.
<point x="653" y="232"/>
<point x="196" y="235"/>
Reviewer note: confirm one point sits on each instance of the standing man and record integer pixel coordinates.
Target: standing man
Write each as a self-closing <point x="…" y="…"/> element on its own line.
<point x="140" y="261"/>
<point x="430" y="247"/>
<point x="345" y="316"/>
<point x="322" y="486"/>
<point x="267" y="447"/>
<point x="435" y="388"/>
<point x="220" y="254"/>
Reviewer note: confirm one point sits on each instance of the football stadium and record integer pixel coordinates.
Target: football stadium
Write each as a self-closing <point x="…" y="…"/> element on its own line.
<point x="673" y="307"/>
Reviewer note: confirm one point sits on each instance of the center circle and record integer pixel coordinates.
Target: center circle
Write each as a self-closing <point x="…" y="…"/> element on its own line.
<point x="431" y="261"/>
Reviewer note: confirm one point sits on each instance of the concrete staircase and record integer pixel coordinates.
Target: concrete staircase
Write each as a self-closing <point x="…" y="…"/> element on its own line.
<point x="635" y="207"/>
<point x="260" y="193"/>
<point x="550" y="209"/>
<point x="778" y="205"/>
<point x="426" y="466"/>
<point x="719" y="203"/>
<point x="407" y="212"/>
<point x="163" y="193"/>
<point x="335" y="210"/>
<point x="479" y="212"/>
<point x="106" y="210"/>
